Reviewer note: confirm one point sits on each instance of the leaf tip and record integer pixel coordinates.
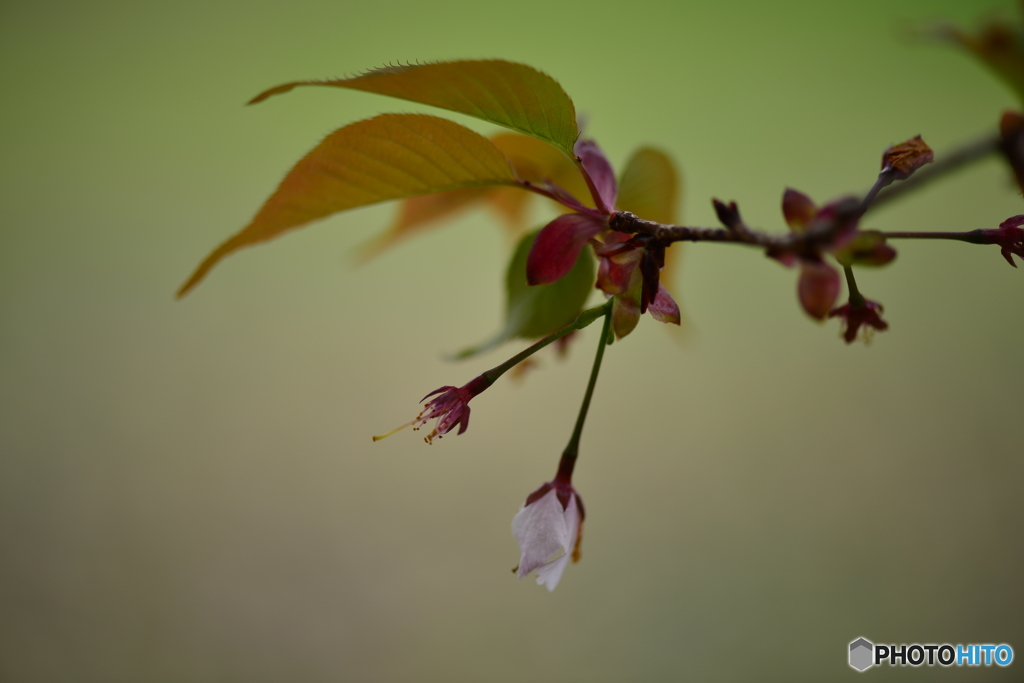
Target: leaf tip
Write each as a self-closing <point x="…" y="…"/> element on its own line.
<point x="190" y="284"/>
<point x="276" y="90"/>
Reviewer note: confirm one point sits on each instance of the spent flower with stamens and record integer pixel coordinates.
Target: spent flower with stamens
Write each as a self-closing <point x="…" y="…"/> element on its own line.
<point x="1009" y="236"/>
<point x="857" y="315"/>
<point x="450" y="407"/>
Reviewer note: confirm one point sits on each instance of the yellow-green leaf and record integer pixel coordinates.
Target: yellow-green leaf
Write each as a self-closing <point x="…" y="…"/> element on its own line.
<point x="650" y="186"/>
<point x="506" y="93"/>
<point x="392" y="156"/>
<point x="418" y="213"/>
<point x="533" y="160"/>
<point x="538" y="163"/>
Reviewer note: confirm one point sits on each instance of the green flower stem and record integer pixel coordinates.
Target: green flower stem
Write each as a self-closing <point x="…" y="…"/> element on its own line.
<point x="582" y="320"/>
<point x="568" y="461"/>
<point x="856" y="298"/>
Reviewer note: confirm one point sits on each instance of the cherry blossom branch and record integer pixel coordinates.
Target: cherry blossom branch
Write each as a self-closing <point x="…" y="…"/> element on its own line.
<point x="738" y="232"/>
<point x="822" y="232"/>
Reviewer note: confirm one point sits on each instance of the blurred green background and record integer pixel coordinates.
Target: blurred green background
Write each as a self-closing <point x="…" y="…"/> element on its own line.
<point x="189" y="492"/>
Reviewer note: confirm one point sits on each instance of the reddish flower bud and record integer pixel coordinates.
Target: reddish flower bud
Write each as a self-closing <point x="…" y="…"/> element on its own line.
<point x="798" y="209"/>
<point x="802" y="215"/>
<point x="728" y="214"/>
<point x="817" y="288"/>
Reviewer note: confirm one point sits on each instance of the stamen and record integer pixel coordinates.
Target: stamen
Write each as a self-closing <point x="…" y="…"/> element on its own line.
<point x="396" y="429"/>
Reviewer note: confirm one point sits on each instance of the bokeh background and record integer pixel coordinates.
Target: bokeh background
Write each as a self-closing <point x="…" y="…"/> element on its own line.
<point x="188" y="489"/>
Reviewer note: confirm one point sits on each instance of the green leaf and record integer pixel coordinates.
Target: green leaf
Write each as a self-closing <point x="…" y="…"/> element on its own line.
<point x="388" y="157"/>
<point x="506" y="93"/>
<point x="649" y="186"/>
<point x="534" y="312"/>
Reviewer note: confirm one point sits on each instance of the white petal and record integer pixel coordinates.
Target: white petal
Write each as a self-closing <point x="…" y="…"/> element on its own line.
<point x="540" y="530"/>
<point x="551" y="573"/>
<point x="572" y="523"/>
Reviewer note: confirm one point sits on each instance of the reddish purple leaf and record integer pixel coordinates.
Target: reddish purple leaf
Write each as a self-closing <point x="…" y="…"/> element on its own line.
<point x="601" y="176"/>
<point x="557" y="245"/>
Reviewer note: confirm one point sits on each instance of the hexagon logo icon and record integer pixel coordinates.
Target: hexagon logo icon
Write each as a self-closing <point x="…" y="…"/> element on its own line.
<point x="861" y="654"/>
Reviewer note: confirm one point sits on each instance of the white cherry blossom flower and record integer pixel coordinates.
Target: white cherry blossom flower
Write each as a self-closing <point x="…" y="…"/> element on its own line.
<point x="548" y="529"/>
